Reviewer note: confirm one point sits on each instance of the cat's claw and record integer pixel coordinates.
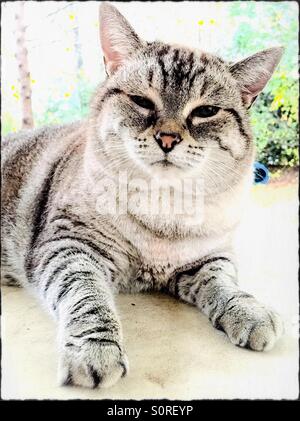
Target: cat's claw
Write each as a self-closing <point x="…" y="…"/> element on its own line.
<point x="94" y="364"/>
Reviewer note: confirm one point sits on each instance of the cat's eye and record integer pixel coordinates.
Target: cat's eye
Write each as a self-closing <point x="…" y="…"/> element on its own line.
<point x="205" y="111"/>
<point x="143" y="102"/>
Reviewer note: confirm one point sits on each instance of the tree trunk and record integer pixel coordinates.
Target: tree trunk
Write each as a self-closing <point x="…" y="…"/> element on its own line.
<point x="78" y="54"/>
<point x="23" y="68"/>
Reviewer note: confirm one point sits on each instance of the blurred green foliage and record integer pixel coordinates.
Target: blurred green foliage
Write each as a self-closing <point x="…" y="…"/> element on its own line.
<point x="68" y="105"/>
<point x="275" y="113"/>
<point x="8" y="123"/>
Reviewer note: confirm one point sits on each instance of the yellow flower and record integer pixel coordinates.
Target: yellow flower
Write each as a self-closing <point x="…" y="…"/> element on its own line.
<point x="33" y="81"/>
<point x="67" y="94"/>
<point x="212" y="21"/>
<point x="16" y="95"/>
<point x="13" y="87"/>
<point x="278" y="97"/>
<point x="200" y="22"/>
<point x="71" y="16"/>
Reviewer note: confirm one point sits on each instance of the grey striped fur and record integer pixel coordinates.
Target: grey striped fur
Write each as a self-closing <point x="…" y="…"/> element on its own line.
<point x="75" y="258"/>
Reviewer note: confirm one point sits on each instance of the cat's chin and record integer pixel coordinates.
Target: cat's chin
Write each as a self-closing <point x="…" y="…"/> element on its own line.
<point x="171" y="164"/>
<point x="166" y="169"/>
<point x="165" y="164"/>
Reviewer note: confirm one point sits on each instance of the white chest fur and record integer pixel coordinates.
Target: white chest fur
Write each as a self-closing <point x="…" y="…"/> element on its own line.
<point x="170" y="253"/>
<point x="166" y="243"/>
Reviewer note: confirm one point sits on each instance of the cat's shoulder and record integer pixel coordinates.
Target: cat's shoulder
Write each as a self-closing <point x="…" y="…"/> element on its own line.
<point x="31" y="142"/>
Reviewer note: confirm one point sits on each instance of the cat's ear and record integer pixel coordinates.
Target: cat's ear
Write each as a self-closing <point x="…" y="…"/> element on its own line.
<point x="253" y="73"/>
<point x="118" y="39"/>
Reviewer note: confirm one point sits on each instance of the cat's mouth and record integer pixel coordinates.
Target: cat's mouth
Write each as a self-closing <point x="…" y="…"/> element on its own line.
<point x="165" y="163"/>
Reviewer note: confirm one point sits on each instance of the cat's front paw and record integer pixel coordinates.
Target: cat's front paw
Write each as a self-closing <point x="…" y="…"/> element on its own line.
<point x="92" y="362"/>
<point x="250" y="324"/>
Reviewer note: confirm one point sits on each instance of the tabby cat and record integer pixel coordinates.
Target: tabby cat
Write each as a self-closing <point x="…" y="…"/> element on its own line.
<point x="165" y="113"/>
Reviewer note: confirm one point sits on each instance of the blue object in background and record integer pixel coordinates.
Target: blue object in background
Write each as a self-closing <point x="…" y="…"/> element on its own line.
<point x="261" y="173"/>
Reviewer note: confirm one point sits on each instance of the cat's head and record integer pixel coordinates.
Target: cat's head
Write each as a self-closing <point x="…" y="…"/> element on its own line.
<point x="172" y="111"/>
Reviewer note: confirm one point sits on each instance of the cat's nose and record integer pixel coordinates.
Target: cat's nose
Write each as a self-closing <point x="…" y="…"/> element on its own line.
<point x="167" y="141"/>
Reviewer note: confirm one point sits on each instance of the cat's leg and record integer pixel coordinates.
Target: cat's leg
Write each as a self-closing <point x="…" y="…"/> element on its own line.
<point x="9" y="277"/>
<point x="9" y="280"/>
<point x="75" y="284"/>
<point x="212" y="287"/>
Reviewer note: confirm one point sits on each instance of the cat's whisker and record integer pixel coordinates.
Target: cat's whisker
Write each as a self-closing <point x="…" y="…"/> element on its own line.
<point x="226" y="168"/>
<point x="220" y="173"/>
<point x="116" y="163"/>
<point x="220" y="177"/>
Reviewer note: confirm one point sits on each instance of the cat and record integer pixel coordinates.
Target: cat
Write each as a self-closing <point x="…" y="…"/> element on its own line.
<point x="166" y="113"/>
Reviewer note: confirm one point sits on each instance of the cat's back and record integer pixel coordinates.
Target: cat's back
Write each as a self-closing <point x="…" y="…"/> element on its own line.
<point x="20" y="152"/>
<point x="25" y="161"/>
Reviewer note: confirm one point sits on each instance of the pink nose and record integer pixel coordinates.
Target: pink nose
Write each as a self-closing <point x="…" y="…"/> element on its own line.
<point x="167" y="141"/>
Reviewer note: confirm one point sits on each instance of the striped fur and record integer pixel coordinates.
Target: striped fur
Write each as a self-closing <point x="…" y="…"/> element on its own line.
<point x="75" y="258"/>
